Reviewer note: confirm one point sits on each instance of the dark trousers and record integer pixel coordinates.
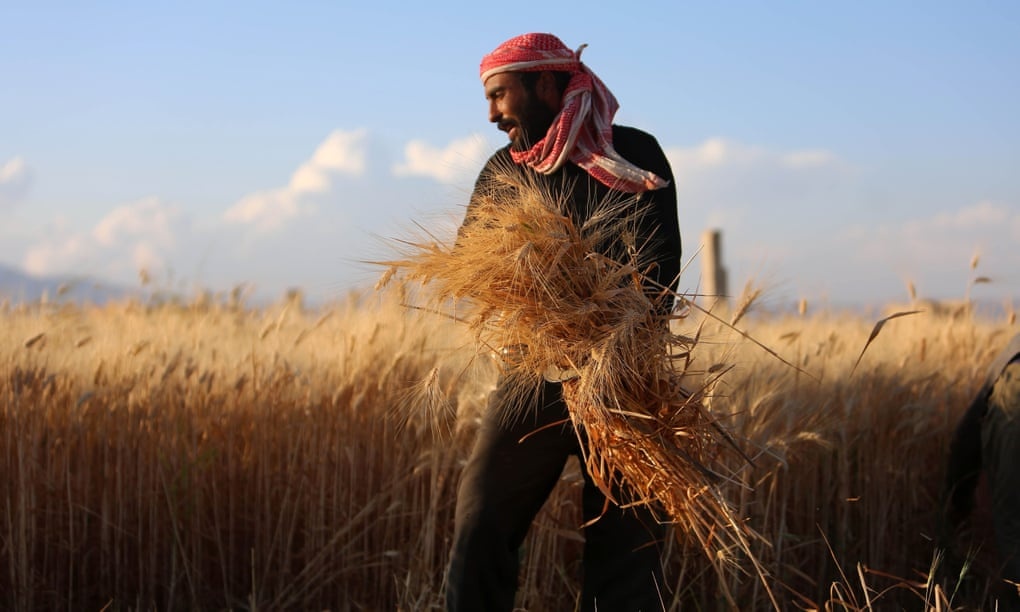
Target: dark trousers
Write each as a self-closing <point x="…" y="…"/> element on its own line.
<point x="503" y="486"/>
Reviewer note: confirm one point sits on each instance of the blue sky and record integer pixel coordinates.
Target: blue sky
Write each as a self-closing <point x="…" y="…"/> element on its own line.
<point x="843" y="149"/>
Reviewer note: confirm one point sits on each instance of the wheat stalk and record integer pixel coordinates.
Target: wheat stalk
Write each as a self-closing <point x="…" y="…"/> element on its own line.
<point x="523" y="273"/>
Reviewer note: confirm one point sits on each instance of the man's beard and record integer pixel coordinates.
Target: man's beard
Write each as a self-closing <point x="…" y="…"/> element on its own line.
<point x="534" y="123"/>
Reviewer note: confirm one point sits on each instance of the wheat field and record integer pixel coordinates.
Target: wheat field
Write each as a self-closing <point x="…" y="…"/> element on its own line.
<point x="207" y="454"/>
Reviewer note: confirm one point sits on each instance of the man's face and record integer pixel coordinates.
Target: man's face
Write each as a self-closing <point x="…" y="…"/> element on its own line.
<point x="516" y="110"/>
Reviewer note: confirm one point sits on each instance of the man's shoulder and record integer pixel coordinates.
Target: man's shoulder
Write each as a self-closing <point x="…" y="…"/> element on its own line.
<point x="638" y="147"/>
<point x="627" y="134"/>
<point x="501" y="155"/>
<point x="499" y="160"/>
<point x="641" y="149"/>
<point x="499" y="164"/>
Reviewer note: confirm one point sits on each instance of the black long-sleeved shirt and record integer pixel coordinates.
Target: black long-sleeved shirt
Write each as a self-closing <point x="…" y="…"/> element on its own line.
<point x="658" y="234"/>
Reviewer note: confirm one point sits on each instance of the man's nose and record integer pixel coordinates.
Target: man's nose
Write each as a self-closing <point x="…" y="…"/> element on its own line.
<point x="494" y="114"/>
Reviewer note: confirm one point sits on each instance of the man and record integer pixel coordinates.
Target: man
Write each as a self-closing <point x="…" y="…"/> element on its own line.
<point x="988" y="437"/>
<point x="558" y="117"/>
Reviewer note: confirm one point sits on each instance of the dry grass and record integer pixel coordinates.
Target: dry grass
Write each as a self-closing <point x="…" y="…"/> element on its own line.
<point x="849" y="480"/>
<point x="205" y="456"/>
<point x="209" y="456"/>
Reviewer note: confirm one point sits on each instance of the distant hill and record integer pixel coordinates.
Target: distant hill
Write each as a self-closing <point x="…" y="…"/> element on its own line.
<point x="19" y="287"/>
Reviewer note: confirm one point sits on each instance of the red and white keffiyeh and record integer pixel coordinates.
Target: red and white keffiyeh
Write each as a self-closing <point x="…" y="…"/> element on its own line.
<point x="582" y="132"/>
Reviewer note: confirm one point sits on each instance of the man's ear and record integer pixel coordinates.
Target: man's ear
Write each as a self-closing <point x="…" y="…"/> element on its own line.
<point x="548" y="91"/>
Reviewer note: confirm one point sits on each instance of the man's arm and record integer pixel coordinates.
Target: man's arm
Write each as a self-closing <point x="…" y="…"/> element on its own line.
<point x="659" y="231"/>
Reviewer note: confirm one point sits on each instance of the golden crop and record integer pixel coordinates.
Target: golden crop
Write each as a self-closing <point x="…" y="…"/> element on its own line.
<point x="210" y="455"/>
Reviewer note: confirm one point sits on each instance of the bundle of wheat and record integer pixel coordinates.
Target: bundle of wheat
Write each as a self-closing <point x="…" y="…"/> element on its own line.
<point x="522" y="274"/>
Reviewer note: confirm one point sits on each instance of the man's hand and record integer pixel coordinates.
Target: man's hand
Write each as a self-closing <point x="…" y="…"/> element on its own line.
<point x="513" y="355"/>
<point x="555" y="373"/>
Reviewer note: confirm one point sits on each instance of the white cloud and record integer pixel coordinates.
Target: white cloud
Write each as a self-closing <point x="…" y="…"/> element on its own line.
<point x="720" y="152"/>
<point x="145" y="257"/>
<point x="982" y="216"/>
<point x="60" y="252"/>
<point x="309" y="178"/>
<point x="812" y="223"/>
<point x="340" y="169"/>
<point x="142" y="234"/>
<point x="762" y="199"/>
<point x="266" y="211"/>
<point x="315" y="230"/>
<point x="933" y="253"/>
<point x="148" y="218"/>
<point x="340" y="154"/>
<point x="765" y="201"/>
<point x="719" y="155"/>
<point x="808" y="159"/>
<point x="15" y="181"/>
<point x="458" y="160"/>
